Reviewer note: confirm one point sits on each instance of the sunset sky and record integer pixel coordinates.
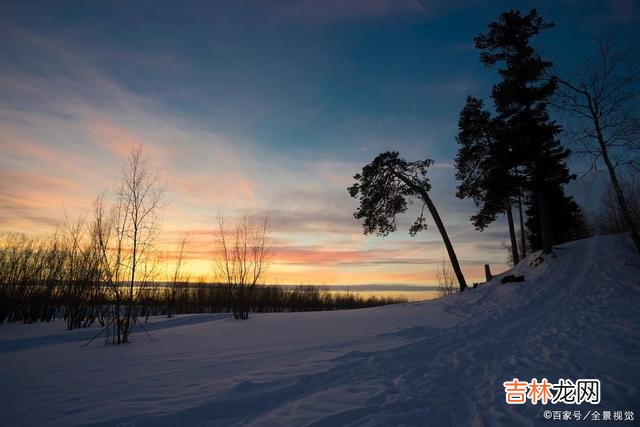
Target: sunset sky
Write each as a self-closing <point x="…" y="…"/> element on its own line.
<point x="260" y="107"/>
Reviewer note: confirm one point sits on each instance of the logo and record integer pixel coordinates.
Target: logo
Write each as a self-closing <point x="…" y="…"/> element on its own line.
<point x="564" y="391"/>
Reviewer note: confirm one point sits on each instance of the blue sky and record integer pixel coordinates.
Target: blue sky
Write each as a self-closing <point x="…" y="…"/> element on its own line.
<point x="251" y="106"/>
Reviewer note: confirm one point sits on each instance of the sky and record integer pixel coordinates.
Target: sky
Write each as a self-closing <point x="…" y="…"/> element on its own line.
<point x="251" y="107"/>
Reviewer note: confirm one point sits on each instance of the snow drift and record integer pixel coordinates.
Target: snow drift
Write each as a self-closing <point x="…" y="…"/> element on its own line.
<point x="439" y="362"/>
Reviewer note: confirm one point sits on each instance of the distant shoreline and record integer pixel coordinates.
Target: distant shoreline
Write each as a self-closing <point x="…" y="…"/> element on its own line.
<point x="335" y="288"/>
<point x="373" y="288"/>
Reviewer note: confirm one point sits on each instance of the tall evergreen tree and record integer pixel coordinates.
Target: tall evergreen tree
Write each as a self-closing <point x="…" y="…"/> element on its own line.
<point x="521" y="99"/>
<point x="484" y="168"/>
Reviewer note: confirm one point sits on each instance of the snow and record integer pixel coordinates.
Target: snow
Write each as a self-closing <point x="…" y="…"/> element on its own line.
<point x="438" y="362"/>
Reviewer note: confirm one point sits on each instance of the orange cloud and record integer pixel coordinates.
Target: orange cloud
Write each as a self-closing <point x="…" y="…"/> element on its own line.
<point x="33" y="203"/>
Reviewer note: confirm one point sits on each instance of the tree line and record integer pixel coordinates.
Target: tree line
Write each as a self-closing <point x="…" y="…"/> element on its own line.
<point x="53" y="278"/>
<point x="62" y="277"/>
<point x="512" y="157"/>
<point x="104" y="268"/>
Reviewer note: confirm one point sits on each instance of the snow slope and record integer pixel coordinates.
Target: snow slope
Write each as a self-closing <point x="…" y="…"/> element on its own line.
<point x="438" y="362"/>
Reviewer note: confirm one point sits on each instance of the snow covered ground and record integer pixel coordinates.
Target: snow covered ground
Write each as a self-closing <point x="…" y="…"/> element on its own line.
<point x="439" y="362"/>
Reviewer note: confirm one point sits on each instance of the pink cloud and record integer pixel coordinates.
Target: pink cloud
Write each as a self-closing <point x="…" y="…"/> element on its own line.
<point x="211" y="188"/>
<point x="117" y="139"/>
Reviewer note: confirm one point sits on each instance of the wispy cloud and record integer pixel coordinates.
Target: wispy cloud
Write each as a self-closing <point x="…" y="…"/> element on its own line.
<point x="66" y="126"/>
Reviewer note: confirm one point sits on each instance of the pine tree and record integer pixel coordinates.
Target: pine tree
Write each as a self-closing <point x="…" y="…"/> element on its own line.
<point x="386" y="187"/>
<point x="567" y="220"/>
<point x="521" y="99"/>
<point x="484" y="168"/>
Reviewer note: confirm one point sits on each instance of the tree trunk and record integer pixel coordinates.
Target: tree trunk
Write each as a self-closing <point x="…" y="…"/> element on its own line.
<point x="443" y="233"/>
<point x="512" y="235"/>
<point x="523" y="241"/>
<point x="545" y="224"/>
<point x="622" y="201"/>
<point x="487" y="272"/>
<point x="445" y="237"/>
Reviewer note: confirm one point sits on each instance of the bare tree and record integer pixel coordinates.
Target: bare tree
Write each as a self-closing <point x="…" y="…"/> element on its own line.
<point x="609" y="218"/>
<point x="242" y="257"/>
<point x="80" y="270"/>
<point x="445" y="279"/>
<point x="140" y="197"/>
<point x="126" y="235"/>
<point x="178" y="278"/>
<point x="109" y="231"/>
<point x="102" y="236"/>
<point x="604" y="98"/>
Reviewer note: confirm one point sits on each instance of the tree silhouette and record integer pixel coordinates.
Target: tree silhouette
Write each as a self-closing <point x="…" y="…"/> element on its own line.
<point x="242" y="258"/>
<point x="521" y="99"/>
<point x="484" y="168"/>
<point x="603" y="98"/>
<point x="386" y="187"/>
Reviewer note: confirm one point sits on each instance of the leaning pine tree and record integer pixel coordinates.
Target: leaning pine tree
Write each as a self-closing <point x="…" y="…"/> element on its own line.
<point x="521" y="99"/>
<point x="386" y="187"/>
